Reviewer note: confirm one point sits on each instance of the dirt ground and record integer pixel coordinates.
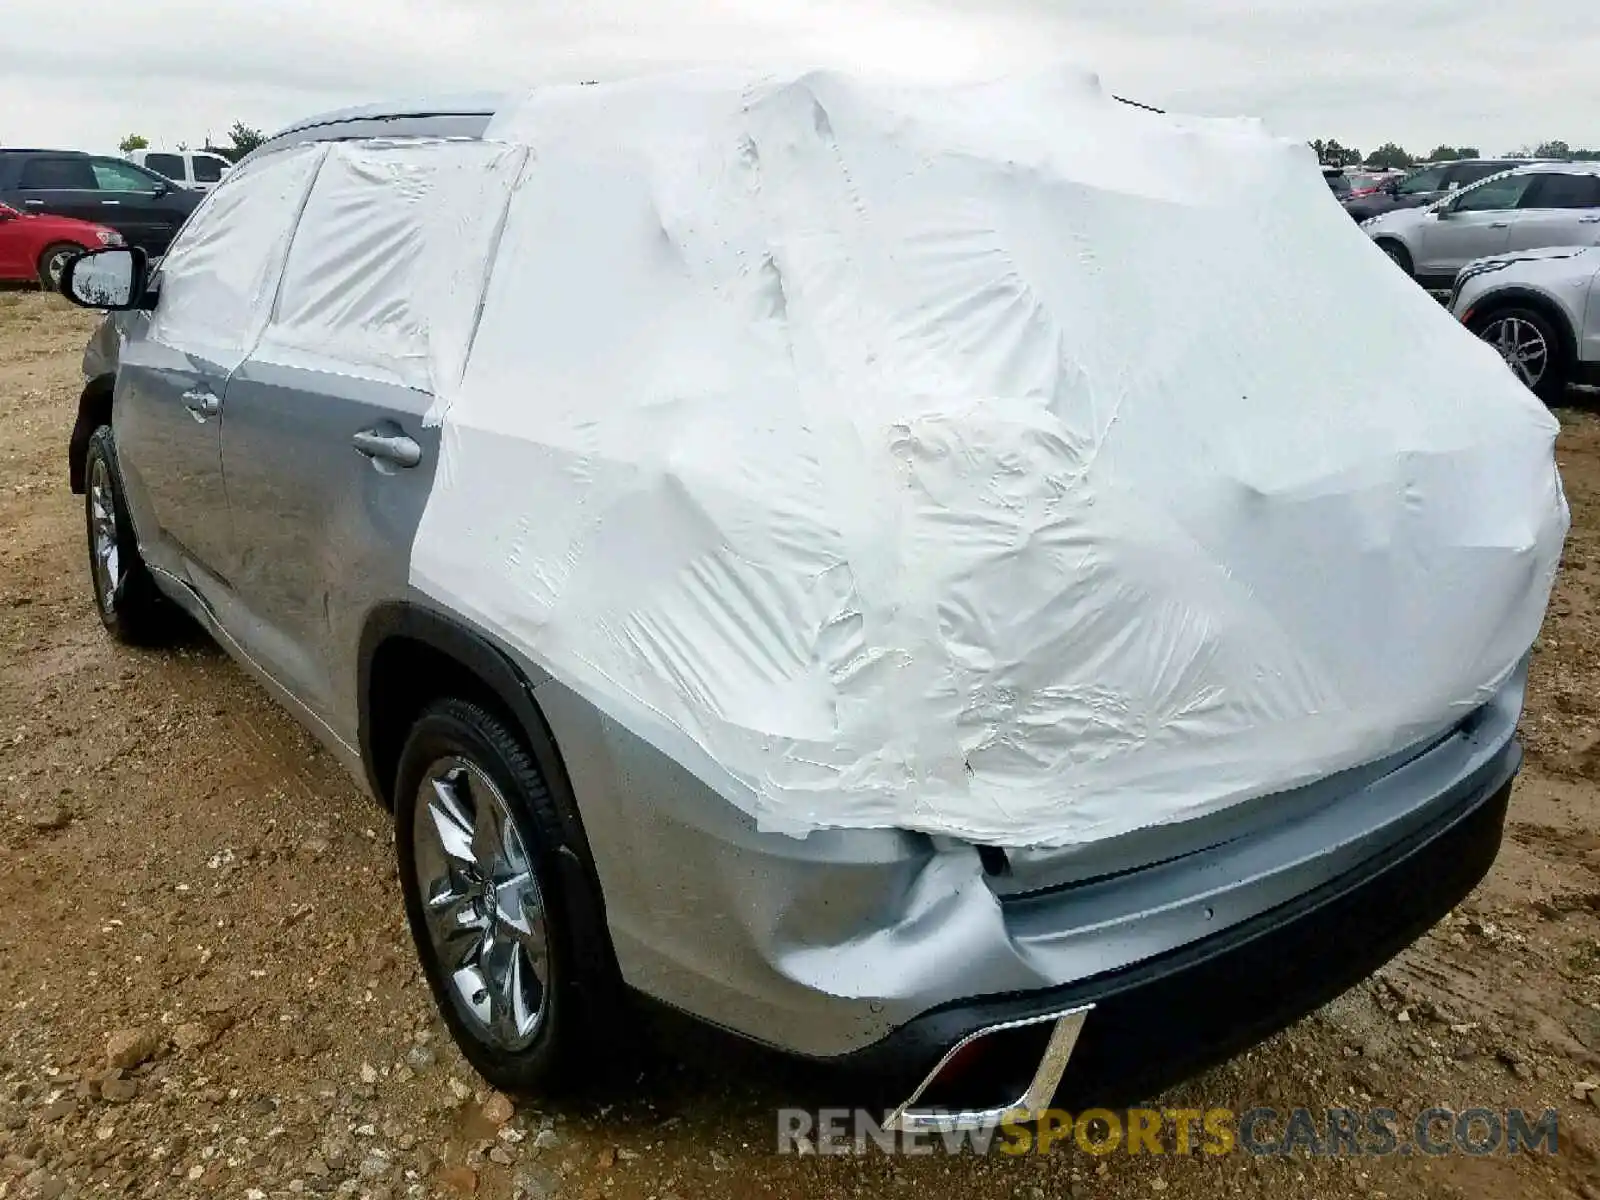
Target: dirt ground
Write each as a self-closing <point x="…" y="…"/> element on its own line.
<point x="191" y="889"/>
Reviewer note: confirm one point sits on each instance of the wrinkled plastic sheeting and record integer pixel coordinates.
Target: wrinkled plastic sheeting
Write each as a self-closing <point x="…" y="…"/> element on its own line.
<point x="389" y="260"/>
<point x="221" y="274"/>
<point x="996" y="461"/>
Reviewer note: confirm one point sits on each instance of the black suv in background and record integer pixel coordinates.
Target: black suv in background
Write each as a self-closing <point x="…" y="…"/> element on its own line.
<point x="139" y="204"/>
<point x="1429" y="184"/>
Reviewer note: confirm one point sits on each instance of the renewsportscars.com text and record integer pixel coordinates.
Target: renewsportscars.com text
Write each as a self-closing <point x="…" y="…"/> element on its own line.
<point x="1330" y="1132"/>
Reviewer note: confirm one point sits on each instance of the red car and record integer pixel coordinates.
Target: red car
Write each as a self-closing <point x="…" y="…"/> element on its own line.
<point x="39" y="246"/>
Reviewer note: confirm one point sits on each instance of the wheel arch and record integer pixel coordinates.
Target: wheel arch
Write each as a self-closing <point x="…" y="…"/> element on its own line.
<point x="1490" y="303"/>
<point x="411" y="656"/>
<point x="51" y="248"/>
<point x="94" y="410"/>
<point x="1384" y="240"/>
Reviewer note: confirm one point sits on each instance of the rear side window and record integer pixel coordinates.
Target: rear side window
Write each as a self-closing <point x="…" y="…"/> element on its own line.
<point x="207" y="169"/>
<point x="170" y="165"/>
<point x="63" y="174"/>
<point x="218" y="279"/>
<point x="1564" y="191"/>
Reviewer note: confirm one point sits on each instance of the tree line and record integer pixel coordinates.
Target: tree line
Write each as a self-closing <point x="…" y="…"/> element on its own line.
<point x="241" y="138"/>
<point x="1391" y="156"/>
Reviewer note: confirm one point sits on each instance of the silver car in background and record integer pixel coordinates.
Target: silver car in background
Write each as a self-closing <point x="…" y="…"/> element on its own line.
<point x="1540" y="309"/>
<point x="554" y="865"/>
<point x="1542" y="204"/>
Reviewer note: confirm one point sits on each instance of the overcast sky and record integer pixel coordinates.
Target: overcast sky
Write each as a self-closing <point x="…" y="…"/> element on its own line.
<point x="1497" y="75"/>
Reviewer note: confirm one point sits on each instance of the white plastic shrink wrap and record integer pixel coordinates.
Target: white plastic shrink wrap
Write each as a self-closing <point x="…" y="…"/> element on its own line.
<point x="389" y="260"/>
<point x="218" y="280"/>
<point x="997" y="461"/>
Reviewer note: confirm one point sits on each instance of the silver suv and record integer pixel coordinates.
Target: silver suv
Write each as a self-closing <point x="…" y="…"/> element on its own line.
<point x="1543" y="204"/>
<point x="555" y="865"/>
<point x="1540" y="310"/>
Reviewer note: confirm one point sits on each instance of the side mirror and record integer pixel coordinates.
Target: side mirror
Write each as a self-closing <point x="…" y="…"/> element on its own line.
<point x="110" y="278"/>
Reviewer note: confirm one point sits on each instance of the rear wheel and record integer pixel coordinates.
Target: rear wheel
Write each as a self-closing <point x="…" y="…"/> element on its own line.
<point x="1530" y="346"/>
<point x="497" y="900"/>
<point x="131" y="607"/>
<point x="53" y="264"/>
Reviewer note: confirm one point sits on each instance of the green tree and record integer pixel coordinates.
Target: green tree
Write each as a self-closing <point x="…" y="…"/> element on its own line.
<point x="1552" y="150"/>
<point x="1389" y="156"/>
<point x="1447" y="154"/>
<point x="134" y="141"/>
<point x="244" y="140"/>
<point x="1335" y="155"/>
<point x="1468" y="152"/>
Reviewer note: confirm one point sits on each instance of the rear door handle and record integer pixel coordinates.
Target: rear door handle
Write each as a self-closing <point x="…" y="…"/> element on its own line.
<point x="1589" y="220"/>
<point x="386" y="448"/>
<point x="202" y="404"/>
<point x="33" y="202"/>
<point x="1499" y="224"/>
<point x="111" y="202"/>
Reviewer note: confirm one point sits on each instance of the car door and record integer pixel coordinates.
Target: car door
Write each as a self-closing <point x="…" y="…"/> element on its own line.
<point x="63" y="184"/>
<point x="14" y="244"/>
<point x="328" y="458"/>
<point x="1476" y="223"/>
<point x="213" y="296"/>
<point x="1560" y="209"/>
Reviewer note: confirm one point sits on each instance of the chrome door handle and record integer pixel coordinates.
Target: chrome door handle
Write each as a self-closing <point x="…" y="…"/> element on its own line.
<point x="391" y="449"/>
<point x="1499" y="224"/>
<point x="1588" y="220"/>
<point x="35" y="202"/>
<point x="202" y="404"/>
<point x="111" y="202"/>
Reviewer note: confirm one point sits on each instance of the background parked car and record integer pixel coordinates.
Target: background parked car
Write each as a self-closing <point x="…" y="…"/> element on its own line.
<point x="1543" y="204"/>
<point x="1427" y="185"/>
<point x="139" y="204"/>
<point x="1366" y="184"/>
<point x="198" y="169"/>
<point x="1540" y="309"/>
<point x="40" y="246"/>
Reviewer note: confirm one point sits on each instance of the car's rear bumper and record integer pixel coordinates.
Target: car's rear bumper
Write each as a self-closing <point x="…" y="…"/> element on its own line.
<point x="883" y="947"/>
<point x="1163" y="1019"/>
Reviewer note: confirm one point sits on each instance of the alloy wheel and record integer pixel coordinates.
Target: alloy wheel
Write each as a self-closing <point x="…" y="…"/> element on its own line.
<point x="481" y="902"/>
<point x="56" y="266"/>
<point x="107" y="558"/>
<point x="1522" y="345"/>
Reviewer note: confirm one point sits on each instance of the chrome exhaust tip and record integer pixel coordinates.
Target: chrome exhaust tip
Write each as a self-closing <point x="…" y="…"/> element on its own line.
<point x="1030" y="1106"/>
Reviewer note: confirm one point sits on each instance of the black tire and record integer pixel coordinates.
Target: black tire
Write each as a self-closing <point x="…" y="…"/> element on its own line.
<point x="1548" y="376"/>
<point x="576" y="1034"/>
<point x="53" y="261"/>
<point x="1398" y="254"/>
<point x="131" y="607"/>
